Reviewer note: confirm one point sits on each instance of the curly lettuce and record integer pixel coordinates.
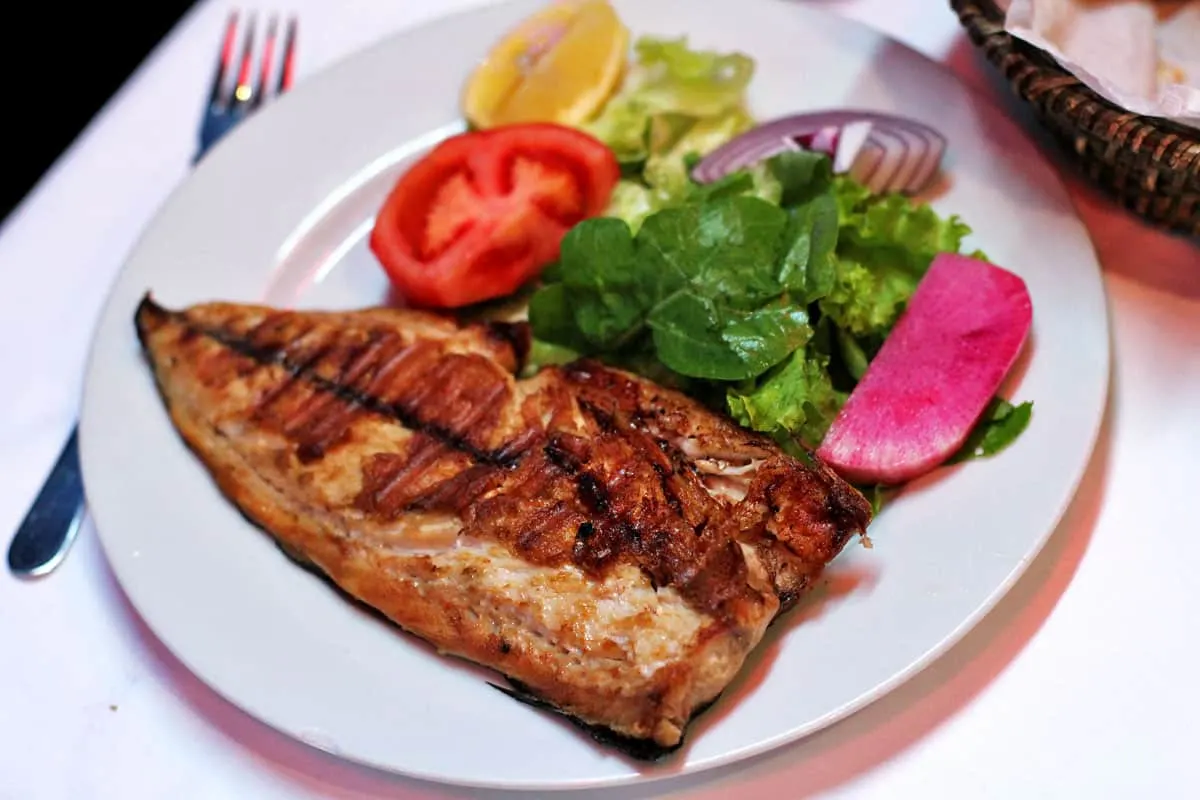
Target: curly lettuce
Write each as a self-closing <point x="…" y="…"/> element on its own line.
<point x="676" y="104"/>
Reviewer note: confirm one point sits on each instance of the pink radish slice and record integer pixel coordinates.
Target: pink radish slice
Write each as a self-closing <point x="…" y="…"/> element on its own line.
<point x="935" y="374"/>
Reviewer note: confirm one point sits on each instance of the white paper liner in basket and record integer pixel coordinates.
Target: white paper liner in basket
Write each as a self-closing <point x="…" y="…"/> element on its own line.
<point x="1141" y="55"/>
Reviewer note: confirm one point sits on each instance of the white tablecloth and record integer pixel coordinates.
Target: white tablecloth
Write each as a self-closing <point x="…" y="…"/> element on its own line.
<point x="1082" y="683"/>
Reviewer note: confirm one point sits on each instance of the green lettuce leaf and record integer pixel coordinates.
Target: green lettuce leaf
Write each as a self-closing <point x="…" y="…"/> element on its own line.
<point x="670" y="76"/>
<point x="669" y="91"/>
<point x="796" y="399"/>
<point x="885" y="245"/>
<point x="632" y="201"/>
<point x="544" y="354"/>
<point x="623" y="125"/>
<point x="667" y="167"/>
<point x="664" y="178"/>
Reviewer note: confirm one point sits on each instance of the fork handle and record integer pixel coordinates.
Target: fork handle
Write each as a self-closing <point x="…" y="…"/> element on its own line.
<point x="213" y="128"/>
<point x="53" y="520"/>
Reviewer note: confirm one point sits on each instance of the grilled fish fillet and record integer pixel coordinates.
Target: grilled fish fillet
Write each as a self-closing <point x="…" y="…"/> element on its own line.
<point x="613" y="548"/>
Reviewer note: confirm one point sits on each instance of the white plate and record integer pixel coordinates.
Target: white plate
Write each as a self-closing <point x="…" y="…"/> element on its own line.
<point x="278" y="212"/>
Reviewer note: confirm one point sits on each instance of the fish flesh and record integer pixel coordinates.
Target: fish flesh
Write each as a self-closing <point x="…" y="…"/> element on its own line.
<point x="612" y="547"/>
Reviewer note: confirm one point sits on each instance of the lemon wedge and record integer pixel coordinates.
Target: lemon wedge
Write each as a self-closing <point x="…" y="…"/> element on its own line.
<point x="559" y="65"/>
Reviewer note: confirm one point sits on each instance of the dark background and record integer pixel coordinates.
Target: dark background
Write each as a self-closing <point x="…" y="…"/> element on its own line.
<point x="79" y="56"/>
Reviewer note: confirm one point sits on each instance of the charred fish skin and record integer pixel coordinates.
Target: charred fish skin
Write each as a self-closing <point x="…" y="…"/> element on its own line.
<point x="611" y="547"/>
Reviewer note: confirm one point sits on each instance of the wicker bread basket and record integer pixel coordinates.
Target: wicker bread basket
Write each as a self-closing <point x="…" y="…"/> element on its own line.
<point x="1150" y="166"/>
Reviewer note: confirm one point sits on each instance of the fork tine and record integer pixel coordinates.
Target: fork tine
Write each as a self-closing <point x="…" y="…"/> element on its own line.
<point x="267" y="62"/>
<point x="286" y="73"/>
<point x="224" y="60"/>
<point x="243" y="91"/>
<point x="251" y="87"/>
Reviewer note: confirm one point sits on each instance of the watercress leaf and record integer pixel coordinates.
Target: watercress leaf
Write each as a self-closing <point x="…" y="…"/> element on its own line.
<point x="696" y="337"/>
<point x="735" y="183"/>
<point x="603" y="285"/>
<point x="598" y="253"/>
<point x="763" y="338"/>
<point x="552" y="273"/>
<point x="724" y="248"/>
<point x="807" y="269"/>
<point x="756" y="180"/>
<point x="998" y="427"/>
<point x="552" y="319"/>
<point x="802" y="174"/>
<point x="687" y="338"/>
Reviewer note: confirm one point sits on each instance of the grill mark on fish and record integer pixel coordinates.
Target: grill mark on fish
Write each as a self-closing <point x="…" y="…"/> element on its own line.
<point x="392" y="481"/>
<point x="593" y="493"/>
<point x="470" y="398"/>
<point x="313" y="410"/>
<point x="375" y="370"/>
<point x="457" y="492"/>
<point x="325" y="420"/>
<point x="668" y="490"/>
<point x="270" y="328"/>
<point x="525" y="441"/>
<point x="325" y="433"/>
<point x="275" y="392"/>
<point x="277" y="356"/>
<point x="399" y="371"/>
<point x="476" y="412"/>
<point x="606" y="421"/>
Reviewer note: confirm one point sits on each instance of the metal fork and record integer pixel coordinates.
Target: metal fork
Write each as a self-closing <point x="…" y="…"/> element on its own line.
<point x="230" y="104"/>
<point x="50" y="525"/>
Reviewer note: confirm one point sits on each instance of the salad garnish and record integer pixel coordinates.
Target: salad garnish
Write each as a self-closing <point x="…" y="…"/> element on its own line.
<point x="761" y="268"/>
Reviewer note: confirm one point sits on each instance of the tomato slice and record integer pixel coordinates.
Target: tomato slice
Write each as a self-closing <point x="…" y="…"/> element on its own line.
<point x="485" y="211"/>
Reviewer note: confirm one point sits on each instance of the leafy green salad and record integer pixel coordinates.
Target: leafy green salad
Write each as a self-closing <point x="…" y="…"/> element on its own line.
<point x="766" y="293"/>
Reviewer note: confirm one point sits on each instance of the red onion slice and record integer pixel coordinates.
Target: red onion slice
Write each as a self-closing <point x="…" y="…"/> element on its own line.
<point x="823" y="140"/>
<point x="885" y="152"/>
<point x="854" y="136"/>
